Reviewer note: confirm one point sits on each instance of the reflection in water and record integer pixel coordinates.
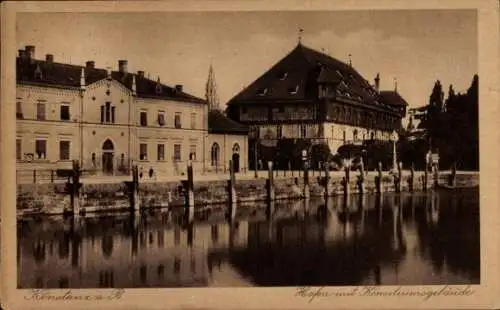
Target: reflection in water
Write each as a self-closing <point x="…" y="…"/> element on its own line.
<point x="421" y="238"/>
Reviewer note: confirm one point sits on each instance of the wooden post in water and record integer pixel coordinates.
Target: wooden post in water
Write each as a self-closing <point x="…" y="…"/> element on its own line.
<point x="411" y="180"/>
<point x="231" y="187"/>
<point x="328" y="189"/>
<point x="75" y="189"/>
<point x="436" y="175"/>
<point x="378" y="180"/>
<point x="361" y="178"/>
<point x="307" y="192"/>
<point x="452" y="181"/>
<point x="135" y="202"/>
<point x="345" y="181"/>
<point x="398" y="177"/>
<point x="189" y="193"/>
<point x="270" y="190"/>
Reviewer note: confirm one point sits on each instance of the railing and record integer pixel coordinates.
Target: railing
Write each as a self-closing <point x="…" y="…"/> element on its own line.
<point x="34" y="176"/>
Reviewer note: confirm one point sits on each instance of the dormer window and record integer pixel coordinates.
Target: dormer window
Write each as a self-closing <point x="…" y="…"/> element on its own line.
<point x="38" y="72"/>
<point x="161" y="118"/>
<point x="293" y="90"/>
<point x="158" y="89"/>
<point x="282" y="75"/>
<point x="262" y="92"/>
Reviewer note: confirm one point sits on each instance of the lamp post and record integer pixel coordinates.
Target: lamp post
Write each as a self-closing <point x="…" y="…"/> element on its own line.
<point x="394" y="139"/>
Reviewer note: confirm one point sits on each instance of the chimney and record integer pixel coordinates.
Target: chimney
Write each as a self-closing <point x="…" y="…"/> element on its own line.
<point x="49" y="59"/>
<point x="140" y="74"/>
<point x="122" y="66"/>
<point x="21" y="53"/>
<point x="178" y="88"/>
<point x="90" y="65"/>
<point x="377" y="82"/>
<point x="30" y="51"/>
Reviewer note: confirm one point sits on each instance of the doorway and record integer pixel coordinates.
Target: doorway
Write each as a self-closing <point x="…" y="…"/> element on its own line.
<point x="108" y="152"/>
<point x="236" y="157"/>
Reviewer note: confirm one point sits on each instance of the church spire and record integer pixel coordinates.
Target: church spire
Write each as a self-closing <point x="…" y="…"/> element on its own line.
<point x="211" y="91"/>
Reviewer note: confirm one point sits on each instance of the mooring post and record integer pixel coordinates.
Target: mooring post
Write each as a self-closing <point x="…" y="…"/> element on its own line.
<point x="425" y="178"/>
<point x="453" y="176"/>
<point x="361" y="178"/>
<point x="270" y="190"/>
<point x="411" y="180"/>
<point x="436" y="175"/>
<point x="378" y="179"/>
<point x="231" y="187"/>
<point x="327" y="183"/>
<point x="307" y="192"/>
<point x="75" y="189"/>
<point x="135" y="202"/>
<point x="346" y="181"/>
<point x="398" y="177"/>
<point x="189" y="193"/>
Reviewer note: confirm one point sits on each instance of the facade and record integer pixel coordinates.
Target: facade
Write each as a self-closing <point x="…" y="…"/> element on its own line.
<point x="310" y="95"/>
<point x="109" y="120"/>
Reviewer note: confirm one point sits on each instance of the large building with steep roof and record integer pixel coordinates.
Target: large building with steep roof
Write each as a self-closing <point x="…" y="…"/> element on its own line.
<point x="310" y="95"/>
<point x="109" y="120"/>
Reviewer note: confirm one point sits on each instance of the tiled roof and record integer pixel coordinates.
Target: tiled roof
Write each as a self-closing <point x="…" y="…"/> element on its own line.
<point x="296" y="76"/>
<point x="219" y="123"/>
<point x="66" y="75"/>
<point x="393" y="98"/>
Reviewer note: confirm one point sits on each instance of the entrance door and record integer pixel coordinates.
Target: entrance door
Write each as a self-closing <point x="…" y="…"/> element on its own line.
<point x="107" y="157"/>
<point x="236" y="162"/>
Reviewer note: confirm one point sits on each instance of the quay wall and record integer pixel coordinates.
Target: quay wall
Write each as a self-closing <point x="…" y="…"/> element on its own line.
<point x="33" y="199"/>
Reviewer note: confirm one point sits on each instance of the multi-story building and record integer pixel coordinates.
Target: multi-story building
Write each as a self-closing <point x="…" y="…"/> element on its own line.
<point x="109" y="120"/>
<point x="313" y="96"/>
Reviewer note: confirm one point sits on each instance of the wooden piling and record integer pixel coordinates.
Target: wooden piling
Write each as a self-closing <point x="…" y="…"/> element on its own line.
<point x="328" y="189"/>
<point x="361" y="179"/>
<point x="189" y="194"/>
<point x="135" y="202"/>
<point x="425" y="179"/>
<point x="345" y="181"/>
<point x="307" y="192"/>
<point x="75" y="189"/>
<point x="436" y="175"/>
<point x="398" y="177"/>
<point x="270" y="191"/>
<point x="411" y="180"/>
<point x="452" y="181"/>
<point x="231" y="187"/>
<point x="378" y="179"/>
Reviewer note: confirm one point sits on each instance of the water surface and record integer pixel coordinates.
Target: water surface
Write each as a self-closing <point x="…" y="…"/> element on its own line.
<point x="396" y="239"/>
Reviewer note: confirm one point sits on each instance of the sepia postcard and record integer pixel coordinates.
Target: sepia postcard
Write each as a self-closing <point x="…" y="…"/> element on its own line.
<point x="249" y="154"/>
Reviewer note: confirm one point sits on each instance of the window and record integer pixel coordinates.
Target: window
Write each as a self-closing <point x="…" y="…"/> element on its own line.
<point x="215" y="154"/>
<point x="279" y="132"/>
<point x="18" y="149"/>
<point x="177" y="152"/>
<point x="19" y="110"/>
<point x="113" y="110"/>
<point x="193" y="120"/>
<point x="161" y="152"/>
<point x="102" y="114"/>
<point x="108" y="112"/>
<point x="293" y="90"/>
<point x="40" y="111"/>
<point x="143" y="151"/>
<point x="344" y="136"/>
<point x="41" y="149"/>
<point x="144" y="118"/>
<point x="65" y="112"/>
<point x="94" y="163"/>
<point x="303" y="131"/>
<point x="283" y="75"/>
<point x="161" y="118"/>
<point x="192" y="152"/>
<point x="262" y="92"/>
<point x="177" y="120"/>
<point x="64" y="147"/>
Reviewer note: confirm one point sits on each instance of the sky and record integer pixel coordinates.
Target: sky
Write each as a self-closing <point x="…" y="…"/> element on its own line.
<point x="415" y="47"/>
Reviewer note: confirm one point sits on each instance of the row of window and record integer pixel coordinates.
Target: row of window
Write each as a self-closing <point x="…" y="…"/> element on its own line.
<point x="160" y="152"/>
<point x="41" y="150"/>
<point x="108" y="115"/>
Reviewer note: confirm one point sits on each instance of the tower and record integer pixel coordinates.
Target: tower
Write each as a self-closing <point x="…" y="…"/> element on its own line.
<point x="211" y="91"/>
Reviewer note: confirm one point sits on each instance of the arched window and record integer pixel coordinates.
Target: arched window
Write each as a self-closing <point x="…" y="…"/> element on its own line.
<point x="236" y="148"/>
<point x="215" y="154"/>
